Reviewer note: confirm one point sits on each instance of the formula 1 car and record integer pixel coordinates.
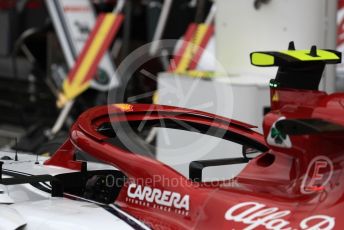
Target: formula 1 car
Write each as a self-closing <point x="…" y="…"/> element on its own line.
<point x="294" y="184"/>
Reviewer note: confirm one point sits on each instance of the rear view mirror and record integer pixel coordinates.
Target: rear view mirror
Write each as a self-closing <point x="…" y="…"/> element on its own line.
<point x="250" y="153"/>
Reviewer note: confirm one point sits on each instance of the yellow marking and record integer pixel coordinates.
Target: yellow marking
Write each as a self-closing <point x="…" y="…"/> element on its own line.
<point x="155" y="97"/>
<point x="303" y="55"/>
<point x="200" y="74"/>
<point x="94" y="49"/>
<point x="72" y="91"/>
<point x="192" y="48"/>
<point x="61" y="100"/>
<point x="275" y="97"/>
<point x="262" y="59"/>
<point x="74" y="88"/>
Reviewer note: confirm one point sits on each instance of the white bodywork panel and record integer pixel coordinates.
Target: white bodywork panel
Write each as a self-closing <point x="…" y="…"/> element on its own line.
<point x="61" y="213"/>
<point x="24" y="204"/>
<point x="4" y="197"/>
<point x="10" y="219"/>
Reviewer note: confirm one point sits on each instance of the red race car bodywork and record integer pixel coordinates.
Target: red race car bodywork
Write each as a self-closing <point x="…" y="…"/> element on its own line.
<point x="295" y="184"/>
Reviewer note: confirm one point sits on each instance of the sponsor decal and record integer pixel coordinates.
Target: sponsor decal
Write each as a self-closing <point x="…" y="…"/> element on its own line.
<point x="256" y="215"/>
<point x="161" y="199"/>
<point x="319" y="173"/>
<point x="278" y="138"/>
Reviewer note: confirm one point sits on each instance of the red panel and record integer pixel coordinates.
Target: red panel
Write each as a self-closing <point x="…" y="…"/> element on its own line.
<point x="65" y="157"/>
